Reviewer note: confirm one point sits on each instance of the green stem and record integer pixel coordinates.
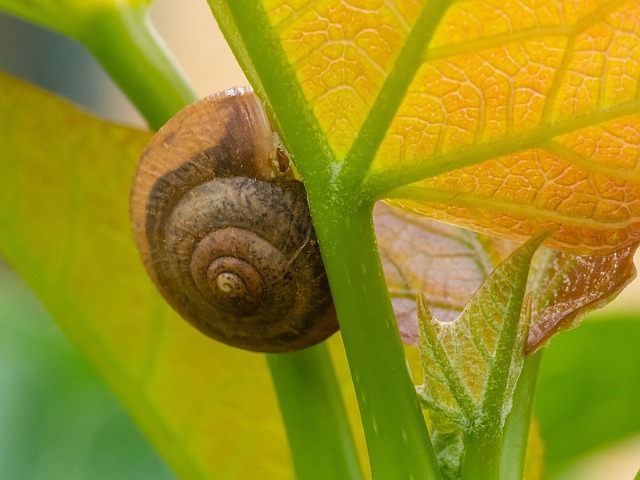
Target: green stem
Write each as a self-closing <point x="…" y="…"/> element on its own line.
<point x="125" y="43"/>
<point x="316" y="421"/>
<point x="482" y="455"/>
<point x="492" y="454"/>
<point x="397" y="438"/>
<point x="516" y="429"/>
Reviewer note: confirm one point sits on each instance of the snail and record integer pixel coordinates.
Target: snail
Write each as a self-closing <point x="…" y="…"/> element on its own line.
<point x="224" y="231"/>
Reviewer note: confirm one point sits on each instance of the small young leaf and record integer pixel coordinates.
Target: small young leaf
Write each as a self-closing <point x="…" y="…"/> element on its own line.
<point x="471" y="365"/>
<point x="447" y="264"/>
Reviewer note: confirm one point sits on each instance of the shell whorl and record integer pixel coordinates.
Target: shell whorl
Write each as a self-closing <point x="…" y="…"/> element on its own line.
<point x="224" y="230"/>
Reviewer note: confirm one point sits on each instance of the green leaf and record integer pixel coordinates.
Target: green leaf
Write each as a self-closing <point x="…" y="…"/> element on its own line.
<point x="64" y="226"/>
<point x="470" y="365"/>
<point x="588" y="390"/>
<point x="58" y="418"/>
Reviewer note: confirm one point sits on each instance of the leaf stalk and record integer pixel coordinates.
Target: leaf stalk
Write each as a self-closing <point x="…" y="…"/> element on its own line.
<point x="314" y="416"/>
<point x="126" y="44"/>
<point x="392" y="419"/>
<point x="518" y="422"/>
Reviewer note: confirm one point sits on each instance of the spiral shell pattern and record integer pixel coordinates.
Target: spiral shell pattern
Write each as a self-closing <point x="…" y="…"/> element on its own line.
<point x="224" y="231"/>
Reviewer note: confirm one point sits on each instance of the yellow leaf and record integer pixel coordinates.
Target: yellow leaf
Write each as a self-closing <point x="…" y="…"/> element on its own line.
<point x="342" y="53"/>
<point x="64" y="226"/>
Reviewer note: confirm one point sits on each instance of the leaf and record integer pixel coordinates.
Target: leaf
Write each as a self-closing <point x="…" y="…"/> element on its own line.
<point x="447" y="264"/>
<point x="70" y="17"/>
<point x="448" y="444"/>
<point x="567" y="287"/>
<point x="59" y="420"/>
<point x="505" y="117"/>
<point x="64" y="226"/>
<point x="588" y="389"/>
<point x="470" y="365"/>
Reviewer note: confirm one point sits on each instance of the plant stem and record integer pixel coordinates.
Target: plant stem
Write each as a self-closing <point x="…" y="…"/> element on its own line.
<point x="397" y="439"/>
<point x="125" y="43"/>
<point x="493" y="455"/>
<point x="317" y="426"/>
<point x="516" y="429"/>
<point x="482" y="455"/>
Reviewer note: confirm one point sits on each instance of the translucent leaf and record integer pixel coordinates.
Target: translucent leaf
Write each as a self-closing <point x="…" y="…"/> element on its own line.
<point x="58" y="419"/>
<point x="64" y="226"/>
<point x="567" y="287"/>
<point x="447" y="264"/>
<point x="507" y="117"/>
<point x="470" y="365"/>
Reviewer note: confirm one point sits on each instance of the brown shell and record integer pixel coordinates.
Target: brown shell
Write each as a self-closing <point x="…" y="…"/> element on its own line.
<point x="224" y="231"/>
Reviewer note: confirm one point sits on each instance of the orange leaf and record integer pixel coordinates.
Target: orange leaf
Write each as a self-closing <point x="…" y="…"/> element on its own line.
<point x="524" y="117"/>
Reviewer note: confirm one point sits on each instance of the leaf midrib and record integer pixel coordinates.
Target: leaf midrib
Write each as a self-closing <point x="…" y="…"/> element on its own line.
<point x="378" y="120"/>
<point x="388" y="179"/>
<point x="471" y="200"/>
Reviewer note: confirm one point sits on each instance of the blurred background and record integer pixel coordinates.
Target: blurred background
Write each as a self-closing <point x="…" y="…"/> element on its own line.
<point x="57" y="420"/>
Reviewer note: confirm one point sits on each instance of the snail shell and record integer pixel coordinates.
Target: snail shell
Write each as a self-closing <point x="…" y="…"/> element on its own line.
<point x="224" y="229"/>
